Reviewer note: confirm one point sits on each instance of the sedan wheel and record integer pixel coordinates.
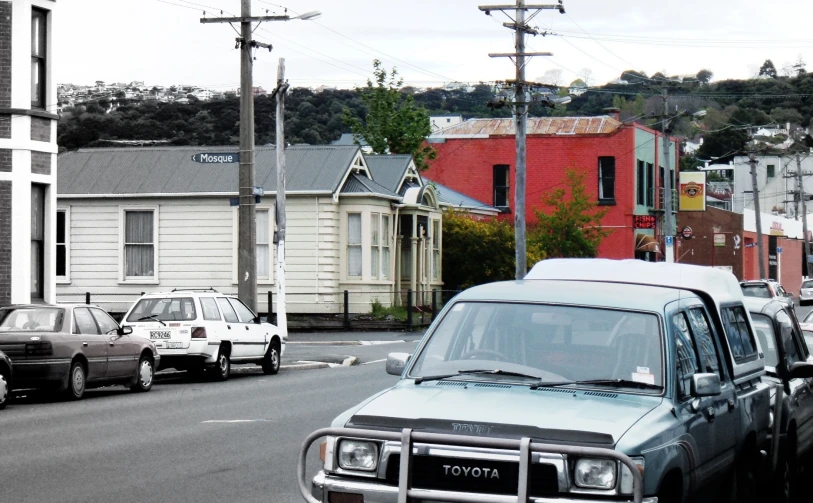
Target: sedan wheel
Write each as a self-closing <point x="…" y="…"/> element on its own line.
<point x="5" y="392"/>
<point x="76" y="382"/>
<point x="271" y="361"/>
<point x="146" y="374"/>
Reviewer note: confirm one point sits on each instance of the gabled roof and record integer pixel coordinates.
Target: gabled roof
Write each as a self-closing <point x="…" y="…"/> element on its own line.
<point x="454" y="199"/>
<point x="171" y="170"/>
<point x="389" y="170"/>
<point x="484" y="128"/>
<point x="359" y="184"/>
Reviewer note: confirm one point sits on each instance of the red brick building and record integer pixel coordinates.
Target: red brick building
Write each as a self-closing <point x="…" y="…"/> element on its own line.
<point x="477" y="158"/>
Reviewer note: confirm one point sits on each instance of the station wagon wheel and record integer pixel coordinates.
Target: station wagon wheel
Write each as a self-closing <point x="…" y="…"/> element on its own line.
<point x="5" y="391"/>
<point x="77" y="379"/>
<point x="222" y="368"/>
<point x="145" y="373"/>
<point x="271" y="362"/>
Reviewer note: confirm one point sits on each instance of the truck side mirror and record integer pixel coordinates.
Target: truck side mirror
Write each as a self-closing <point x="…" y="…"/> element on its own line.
<point x="396" y="363"/>
<point x="706" y="385"/>
<point x="801" y="370"/>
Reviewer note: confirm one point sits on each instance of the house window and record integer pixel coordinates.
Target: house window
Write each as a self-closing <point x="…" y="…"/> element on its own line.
<point x="640" y="193"/>
<point x="139" y="245"/>
<point x="650" y="184"/>
<point x="606" y="178"/>
<point x="62" y="244"/>
<point x="501" y="185"/>
<point x="436" y="249"/>
<point x="354" y="244"/>
<point x="38" y="45"/>
<point x="37" y="240"/>
<point x="263" y="244"/>
<point x="385" y="246"/>
<point x="771" y="170"/>
<point x="375" y="245"/>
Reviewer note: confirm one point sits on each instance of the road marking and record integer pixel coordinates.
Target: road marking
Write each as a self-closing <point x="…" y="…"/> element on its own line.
<point x="375" y="361"/>
<point x="379" y="343"/>
<point x="230" y="421"/>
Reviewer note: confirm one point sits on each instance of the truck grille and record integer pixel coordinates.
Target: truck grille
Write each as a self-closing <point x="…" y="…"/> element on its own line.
<point x="474" y="475"/>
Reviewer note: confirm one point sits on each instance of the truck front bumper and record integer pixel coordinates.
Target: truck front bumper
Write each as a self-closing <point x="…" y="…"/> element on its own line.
<point x="374" y="491"/>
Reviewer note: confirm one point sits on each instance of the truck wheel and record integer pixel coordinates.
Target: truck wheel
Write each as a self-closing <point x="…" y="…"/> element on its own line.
<point x="743" y="484"/>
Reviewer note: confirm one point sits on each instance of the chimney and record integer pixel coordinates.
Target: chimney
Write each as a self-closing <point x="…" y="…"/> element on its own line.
<point x="615" y="113"/>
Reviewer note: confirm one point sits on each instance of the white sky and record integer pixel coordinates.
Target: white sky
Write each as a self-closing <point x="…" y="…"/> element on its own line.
<point x="430" y="41"/>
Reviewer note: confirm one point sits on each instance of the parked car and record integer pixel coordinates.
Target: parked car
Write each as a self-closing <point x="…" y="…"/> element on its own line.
<point x="782" y="343"/>
<point x="591" y="380"/>
<point x="806" y="292"/>
<point x="807" y="333"/>
<point x="767" y="289"/>
<point x="5" y="379"/>
<point x="204" y="330"/>
<point x="72" y="348"/>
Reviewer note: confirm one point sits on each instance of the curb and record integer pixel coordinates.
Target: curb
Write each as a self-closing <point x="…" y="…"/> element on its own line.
<point x="325" y="343"/>
<point x="305" y="366"/>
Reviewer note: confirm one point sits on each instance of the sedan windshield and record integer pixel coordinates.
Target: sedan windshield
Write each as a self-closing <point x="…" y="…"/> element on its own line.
<point x="546" y="343"/>
<point x="40" y="319"/>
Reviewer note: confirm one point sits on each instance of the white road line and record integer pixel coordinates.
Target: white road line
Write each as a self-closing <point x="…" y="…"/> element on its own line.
<point x="229" y="421"/>
<point x="375" y="361"/>
<point x="379" y="343"/>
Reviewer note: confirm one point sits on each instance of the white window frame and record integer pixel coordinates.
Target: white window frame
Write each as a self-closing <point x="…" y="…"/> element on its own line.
<point x="156" y="219"/>
<point x="385" y="240"/>
<point x="360" y="244"/>
<point x="366" y="243"/>
<point x="271" y="245"/>
<point x="436" y="273"/>
<point x="375" y="268"/>
<point x="66" y="279"/>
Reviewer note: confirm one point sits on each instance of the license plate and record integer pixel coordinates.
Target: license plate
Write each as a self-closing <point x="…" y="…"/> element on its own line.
<point x="175" y="345"/>
<point x="160" y="334"/>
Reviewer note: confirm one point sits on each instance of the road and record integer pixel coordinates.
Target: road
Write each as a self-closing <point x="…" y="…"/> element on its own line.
<point x="186" y="441"/>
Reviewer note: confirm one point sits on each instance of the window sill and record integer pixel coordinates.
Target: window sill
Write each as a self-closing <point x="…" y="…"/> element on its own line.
<point x="606" y="202"/>
<point x="63" y="281"/>
<point x="146" y="281"/>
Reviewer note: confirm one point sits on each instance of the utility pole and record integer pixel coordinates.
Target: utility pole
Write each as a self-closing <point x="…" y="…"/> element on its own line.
<point x="247" y="235"/>
<point x="668" y="230"/>
<point x="803" y="197"/>
<point x="752" y="160"/>
<point x="521" y="27"/>
<point x="279" y="213"/>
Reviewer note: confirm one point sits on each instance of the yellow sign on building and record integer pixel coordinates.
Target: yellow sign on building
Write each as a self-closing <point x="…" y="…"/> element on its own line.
<point x="693" y="191"/>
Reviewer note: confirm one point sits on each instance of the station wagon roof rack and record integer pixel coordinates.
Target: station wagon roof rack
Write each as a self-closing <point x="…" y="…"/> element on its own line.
<point x="194" y="290"/>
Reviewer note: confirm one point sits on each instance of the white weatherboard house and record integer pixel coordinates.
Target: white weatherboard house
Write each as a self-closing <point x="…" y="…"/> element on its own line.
<point x="152" y="219"/>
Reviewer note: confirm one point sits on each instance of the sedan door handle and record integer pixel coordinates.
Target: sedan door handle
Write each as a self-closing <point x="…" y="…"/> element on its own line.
<point x="228" y="326"/>
<point x="84" y="344"/>
<point x="246" y="327"/>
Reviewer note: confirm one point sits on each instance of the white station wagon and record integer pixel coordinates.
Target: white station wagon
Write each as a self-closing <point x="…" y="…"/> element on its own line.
<point x="204" y="330"/>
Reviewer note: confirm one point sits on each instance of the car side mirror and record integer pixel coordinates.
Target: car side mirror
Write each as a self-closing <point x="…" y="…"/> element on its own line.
<point x="258" y="319"/>
<point x="396" y="363"/>
<point x="706" y="385"/>
<point x="125" y="330"/>
<point x="801" y="370"/>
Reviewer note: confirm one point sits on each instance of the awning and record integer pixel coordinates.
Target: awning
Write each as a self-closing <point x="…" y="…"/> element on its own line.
<point x="644" y="243"/>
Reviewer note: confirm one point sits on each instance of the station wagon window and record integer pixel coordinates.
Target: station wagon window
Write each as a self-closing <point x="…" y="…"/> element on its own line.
<point x="228" y="311"/>
<point x="106" y="323"/>
<point x="164" y="309"/>
<point x="707" y="352"/>
<point x="763" y="326"/>
<point x="244" y="313"/>
<point x="739" y="336"/>
<point x="209" y="307"/>
<point x="686" y="356"/>
<point x="83" y="322"/>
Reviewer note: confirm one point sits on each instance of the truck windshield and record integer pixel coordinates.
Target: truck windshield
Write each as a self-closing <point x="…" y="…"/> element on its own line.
<point x="549" y="342"/>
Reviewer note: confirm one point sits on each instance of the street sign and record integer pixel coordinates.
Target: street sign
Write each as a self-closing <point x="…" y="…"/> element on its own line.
<point x="719" y="240"/>
<point x="810" y="258"/>
<point x="668" y="240"/>
<point x="778" y="249"/>
<point x="750" y="245"/>
<point x="217" y="157"/>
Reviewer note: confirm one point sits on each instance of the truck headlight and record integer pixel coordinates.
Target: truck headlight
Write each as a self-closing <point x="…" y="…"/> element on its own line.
<point x="358" y="455"/>
<point x="594" y="474"/>
<point x="626" y="475"/>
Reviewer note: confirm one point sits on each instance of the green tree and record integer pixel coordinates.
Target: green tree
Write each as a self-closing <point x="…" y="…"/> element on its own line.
<point x="768" y="69"/>
<point x="704" y="76"/>
<point x="393" y="123"/>
<point x="571" y="227"/>
<point x="479" y="251"/>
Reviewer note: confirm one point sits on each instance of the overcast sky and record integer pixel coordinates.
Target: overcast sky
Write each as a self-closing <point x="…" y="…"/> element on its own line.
<point x="430" y="41"/>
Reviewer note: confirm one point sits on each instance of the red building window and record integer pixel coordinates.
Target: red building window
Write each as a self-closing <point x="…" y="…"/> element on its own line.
<point x="606" y="179"/>
<point x="501" y="185"/>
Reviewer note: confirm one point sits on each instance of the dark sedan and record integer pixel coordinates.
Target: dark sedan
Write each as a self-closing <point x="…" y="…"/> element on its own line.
<point x="5" y="379"/>
<point x="71" y="348"/>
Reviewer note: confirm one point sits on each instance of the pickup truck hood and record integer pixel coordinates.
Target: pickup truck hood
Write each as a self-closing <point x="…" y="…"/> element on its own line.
<point x="554" y="415"/>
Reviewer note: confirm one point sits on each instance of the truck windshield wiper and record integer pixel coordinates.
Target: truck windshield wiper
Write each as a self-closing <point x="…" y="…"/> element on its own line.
<point x="419" y="380"/>
<point x="153" y="318"/>
<point x="618" y="383"/>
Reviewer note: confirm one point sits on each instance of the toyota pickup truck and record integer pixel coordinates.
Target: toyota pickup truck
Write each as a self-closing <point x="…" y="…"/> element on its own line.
<point x="590" y="380"/>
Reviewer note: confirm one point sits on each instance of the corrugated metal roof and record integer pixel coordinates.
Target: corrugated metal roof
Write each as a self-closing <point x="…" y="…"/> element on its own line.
<point x="171" y="170"/>
<point x="357" y="184"/>
<point x="483" y="128"/>
<point x="388" y="170"/>
<point x="456" y="199"/>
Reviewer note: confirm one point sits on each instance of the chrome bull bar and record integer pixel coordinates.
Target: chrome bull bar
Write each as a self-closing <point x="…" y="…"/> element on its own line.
<point x="407" y="437"/>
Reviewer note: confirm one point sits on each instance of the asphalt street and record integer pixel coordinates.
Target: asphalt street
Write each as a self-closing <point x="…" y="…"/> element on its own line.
<point x="187" y="441"/>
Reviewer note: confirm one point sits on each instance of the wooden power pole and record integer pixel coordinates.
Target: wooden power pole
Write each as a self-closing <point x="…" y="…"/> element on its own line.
<point x="752" y="160"/>
<point x="279" y="213"/>
<point x="521" y="27"/>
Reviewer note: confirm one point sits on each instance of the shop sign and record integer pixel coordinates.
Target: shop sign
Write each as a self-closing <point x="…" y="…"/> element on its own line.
<point x="643" y="221"/>
<point x="719" y="239"/>
<point x="693" y="191"/>
<point x="777" y="229"/>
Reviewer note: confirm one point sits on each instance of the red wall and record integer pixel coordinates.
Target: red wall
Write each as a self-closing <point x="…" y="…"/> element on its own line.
<point x="466" y="165"/>
<point x="790" y="261"/>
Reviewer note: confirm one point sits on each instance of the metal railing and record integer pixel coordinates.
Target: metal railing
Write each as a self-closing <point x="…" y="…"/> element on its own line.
<point x="408" y="438"/>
